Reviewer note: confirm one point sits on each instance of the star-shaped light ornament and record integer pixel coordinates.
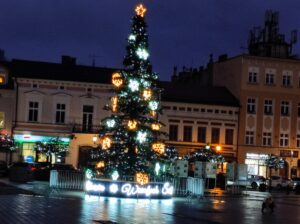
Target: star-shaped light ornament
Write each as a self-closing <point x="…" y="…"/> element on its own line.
<point x="110" y="123"/>
<point x="140" y="10"/>
<point x="141" y="136"/>
<point x="132" y="37"/>
<point x="142" y="53"/>
<point x="134" y="85"/>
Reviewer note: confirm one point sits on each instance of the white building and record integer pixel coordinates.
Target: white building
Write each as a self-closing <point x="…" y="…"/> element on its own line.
<point x="67" y="100"/>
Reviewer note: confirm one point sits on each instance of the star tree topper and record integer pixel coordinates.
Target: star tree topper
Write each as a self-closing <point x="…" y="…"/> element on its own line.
<point x="140" y="10"/>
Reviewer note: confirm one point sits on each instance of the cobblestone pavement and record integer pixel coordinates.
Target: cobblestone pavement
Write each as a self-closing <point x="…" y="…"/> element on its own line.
<point x="58" y="207"/>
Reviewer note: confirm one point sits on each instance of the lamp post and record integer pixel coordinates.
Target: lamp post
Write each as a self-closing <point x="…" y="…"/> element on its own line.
<point x="218" y="150"/>
<point x="95" y="140"/>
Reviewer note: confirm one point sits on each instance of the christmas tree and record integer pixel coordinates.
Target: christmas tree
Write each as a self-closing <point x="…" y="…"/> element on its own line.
<point x="130" y="142"/>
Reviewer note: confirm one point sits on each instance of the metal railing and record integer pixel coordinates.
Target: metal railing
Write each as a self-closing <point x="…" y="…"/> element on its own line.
<point x="183" y="186"/>
<point x="63" y="179"/>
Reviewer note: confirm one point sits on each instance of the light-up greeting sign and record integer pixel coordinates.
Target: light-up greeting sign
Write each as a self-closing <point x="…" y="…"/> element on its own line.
<point x="129" y="189"/>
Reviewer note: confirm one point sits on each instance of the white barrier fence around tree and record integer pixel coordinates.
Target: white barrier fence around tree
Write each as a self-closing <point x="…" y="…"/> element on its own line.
<point x="195" y="186"/>
<point x="67" y="180"/>
<point x="75" y="181"/>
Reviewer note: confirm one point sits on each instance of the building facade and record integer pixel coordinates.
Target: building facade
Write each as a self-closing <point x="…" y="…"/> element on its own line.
<point x="7" y="112"/>
<point x="268" y="91"/>
<point x="67" y="101"/>
<point x="196" y="117"/>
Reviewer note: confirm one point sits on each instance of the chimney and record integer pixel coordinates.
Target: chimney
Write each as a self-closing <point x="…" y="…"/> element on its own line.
<point x="222" y="57"/>
<point x="68" y="60"/>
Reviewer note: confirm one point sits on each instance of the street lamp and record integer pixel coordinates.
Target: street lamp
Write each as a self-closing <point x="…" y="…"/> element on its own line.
<point x="218" y="148"/>
<point x="95" y="139"/>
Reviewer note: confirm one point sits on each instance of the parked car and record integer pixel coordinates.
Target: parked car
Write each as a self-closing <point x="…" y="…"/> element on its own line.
<point x="43" y="174"/>
<point x="295" y="182"/>
<point x="3" y="168"/>
<point x="279" y="182"/>
<point x="255" y="181"/>
<point x="23" y="171"/>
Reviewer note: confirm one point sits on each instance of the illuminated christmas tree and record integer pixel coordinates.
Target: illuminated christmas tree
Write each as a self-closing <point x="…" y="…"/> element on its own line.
<point x="130" y="136"/>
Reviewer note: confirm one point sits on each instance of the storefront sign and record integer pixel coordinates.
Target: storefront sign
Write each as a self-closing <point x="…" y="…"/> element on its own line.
<point x="37" y="138"/>
<point x="288" y="153"/>
<point x="129" y="189"/>
<point x="256" y="156"/>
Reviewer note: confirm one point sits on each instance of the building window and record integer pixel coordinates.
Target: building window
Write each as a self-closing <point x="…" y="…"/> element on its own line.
<point x="285" y="106"/>
<point x="33" y="111"/>
<point x="287" y="80"/>
<point x="252" y="77"/>
<point x="298" y="110"/>
<point x="215" y="135"/>
<point x="267" y="139"/>
<point x="173" y="132"/>
<point x="268" y="107"/>
<point x="187" y="133"/>
<point x="270" y="79"/>
<point x="284" y="140"/>
<point x="202" y="134"/>
<point x="87" y="118"/>
<point x="298" y="141"/>
<point x="251" y="104"/>
<point x="60" y="113"/>
<point x="229" y="136"/>
<point x="249" y="138"/>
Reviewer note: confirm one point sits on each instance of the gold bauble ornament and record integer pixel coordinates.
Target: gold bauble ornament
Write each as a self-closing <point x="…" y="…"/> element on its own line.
<point x="117" y="79"/>
<point x="158" y="147"/>
<point x="106" y="142"/>
<point x="132" y="124"/>
<point x="142" y="178"/>
<point x="147" y="93"/>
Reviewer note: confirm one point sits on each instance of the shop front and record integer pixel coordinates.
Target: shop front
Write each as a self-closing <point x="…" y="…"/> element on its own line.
<point x="256" y="164"/>
<point x="27" y="142"/>
<point x="291" y="159"/>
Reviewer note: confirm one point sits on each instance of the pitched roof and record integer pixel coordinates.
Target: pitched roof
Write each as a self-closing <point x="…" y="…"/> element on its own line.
<point x="60" y="71"/>
<point x="176" y="92"/>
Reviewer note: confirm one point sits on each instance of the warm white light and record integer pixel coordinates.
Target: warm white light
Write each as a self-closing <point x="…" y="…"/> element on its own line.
<point x="106" y="143"/>
<point x="94" y="139"/>
<point x="140" y="10"/>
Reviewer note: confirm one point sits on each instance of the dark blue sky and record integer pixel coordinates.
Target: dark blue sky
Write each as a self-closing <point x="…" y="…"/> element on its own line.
<point x="181" y="32"/>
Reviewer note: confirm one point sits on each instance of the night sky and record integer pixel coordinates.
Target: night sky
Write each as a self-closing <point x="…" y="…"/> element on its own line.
<point x="181" y="32"/>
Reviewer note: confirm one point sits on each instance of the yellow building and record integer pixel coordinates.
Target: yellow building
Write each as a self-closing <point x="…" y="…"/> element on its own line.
<point x="269" y="122"/>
